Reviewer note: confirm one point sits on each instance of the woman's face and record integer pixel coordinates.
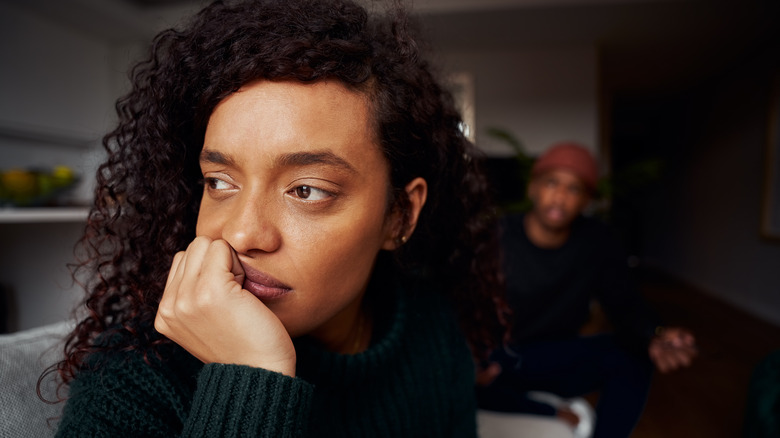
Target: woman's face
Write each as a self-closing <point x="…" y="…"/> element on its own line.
<point x="296" y="184"/>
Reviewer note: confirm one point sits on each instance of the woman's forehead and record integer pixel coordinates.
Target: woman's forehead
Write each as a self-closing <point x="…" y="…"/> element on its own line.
<point x="293" y="123"/>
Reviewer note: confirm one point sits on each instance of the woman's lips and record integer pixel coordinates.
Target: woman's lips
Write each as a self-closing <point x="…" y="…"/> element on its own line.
<point x="262" y="285"/>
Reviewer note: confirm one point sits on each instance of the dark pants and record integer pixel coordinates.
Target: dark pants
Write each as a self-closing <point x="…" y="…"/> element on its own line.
<point x="571" y="368"/>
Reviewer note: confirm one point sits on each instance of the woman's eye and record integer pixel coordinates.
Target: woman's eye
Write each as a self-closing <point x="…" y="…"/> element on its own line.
<point x="216" y="184"/>
<point x="310" y="193"/>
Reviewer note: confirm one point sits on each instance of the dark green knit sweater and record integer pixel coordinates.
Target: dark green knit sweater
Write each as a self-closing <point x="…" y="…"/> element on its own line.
<point x="416" y="379"/>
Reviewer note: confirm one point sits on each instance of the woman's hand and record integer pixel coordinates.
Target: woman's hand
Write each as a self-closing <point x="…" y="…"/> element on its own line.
<point x="205" y="310"/>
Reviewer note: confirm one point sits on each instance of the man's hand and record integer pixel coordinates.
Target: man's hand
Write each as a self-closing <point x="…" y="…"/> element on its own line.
<point x="672" y="348"/>
<point x="486" y="375"/>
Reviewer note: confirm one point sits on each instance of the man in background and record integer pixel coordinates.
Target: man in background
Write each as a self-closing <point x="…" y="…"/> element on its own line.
<point x="557" y="264"/>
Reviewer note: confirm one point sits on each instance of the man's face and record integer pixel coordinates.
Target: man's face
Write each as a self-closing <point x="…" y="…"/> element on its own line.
<point x="558" y="197"/>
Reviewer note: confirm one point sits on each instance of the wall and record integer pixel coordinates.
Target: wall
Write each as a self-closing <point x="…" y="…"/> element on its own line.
<point x="60" y="82"/>
<point x="706" y="229"/>
<point x="54" y="81"/>
<point x="541" y="95"/>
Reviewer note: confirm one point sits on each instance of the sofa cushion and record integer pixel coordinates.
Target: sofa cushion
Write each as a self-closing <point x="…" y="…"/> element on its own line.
<point x="24" y="356"/>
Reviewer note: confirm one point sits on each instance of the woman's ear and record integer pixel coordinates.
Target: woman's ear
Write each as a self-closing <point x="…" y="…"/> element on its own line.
<point x="417" y="192"/>
<point x="404" y="222"/>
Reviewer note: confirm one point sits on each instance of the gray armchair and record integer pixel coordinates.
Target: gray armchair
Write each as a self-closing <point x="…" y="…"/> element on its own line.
<point x="24" y="356"/>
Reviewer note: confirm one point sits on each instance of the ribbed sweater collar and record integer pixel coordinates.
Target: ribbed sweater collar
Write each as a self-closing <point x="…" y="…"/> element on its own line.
<point x="323" y="367"/>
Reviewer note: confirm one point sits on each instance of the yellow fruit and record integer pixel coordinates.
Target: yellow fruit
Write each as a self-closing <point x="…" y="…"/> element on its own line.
<point x="62" y="176"/>
<point x="21" y="186"/>
<point x="63" y="172"/>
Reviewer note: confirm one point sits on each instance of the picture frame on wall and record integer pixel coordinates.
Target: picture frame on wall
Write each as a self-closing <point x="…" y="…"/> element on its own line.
<point x="770" y="215"/>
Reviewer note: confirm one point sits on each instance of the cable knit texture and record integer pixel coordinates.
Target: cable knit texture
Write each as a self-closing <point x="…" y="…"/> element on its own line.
<point x="416" y="379"/>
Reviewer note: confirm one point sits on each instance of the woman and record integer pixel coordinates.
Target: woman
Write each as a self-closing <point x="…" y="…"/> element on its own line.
<point x="290" y="238"/>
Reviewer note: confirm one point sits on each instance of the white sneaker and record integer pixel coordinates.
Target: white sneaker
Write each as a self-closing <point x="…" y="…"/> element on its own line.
<point x="579" y="406"/>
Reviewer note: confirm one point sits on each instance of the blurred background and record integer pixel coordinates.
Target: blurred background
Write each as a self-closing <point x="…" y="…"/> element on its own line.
<point x="678" y="99"/>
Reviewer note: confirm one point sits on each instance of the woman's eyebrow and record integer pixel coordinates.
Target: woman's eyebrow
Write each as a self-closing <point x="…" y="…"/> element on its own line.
<point x="215" y="157"/>
<point x="317" y="157"/>
<point x="285" y="160"/>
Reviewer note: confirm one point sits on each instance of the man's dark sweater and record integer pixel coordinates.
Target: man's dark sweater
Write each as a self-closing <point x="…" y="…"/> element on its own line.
<point x="551" y="290"/>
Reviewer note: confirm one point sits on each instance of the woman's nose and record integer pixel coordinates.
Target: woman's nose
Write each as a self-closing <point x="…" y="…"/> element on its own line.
<point x="252" y="227"/>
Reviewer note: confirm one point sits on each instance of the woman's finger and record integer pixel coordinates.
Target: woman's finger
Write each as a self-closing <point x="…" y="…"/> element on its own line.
<point x="193" y="264"/>
<point x="224" y="269"/>
<point x="174" y="271"/>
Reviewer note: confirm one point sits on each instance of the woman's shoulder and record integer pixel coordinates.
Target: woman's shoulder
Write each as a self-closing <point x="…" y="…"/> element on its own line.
<point x="119" y="358"/>
<point x="426" y="304"/>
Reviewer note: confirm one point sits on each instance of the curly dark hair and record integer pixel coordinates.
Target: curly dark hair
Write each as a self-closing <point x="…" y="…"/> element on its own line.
<point x="148" y="191"/>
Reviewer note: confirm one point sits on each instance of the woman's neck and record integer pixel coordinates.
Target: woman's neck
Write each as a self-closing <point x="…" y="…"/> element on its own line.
<point x="350" y="332"/>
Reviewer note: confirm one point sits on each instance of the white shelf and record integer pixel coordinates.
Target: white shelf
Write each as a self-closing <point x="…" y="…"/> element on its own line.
<point x="43" y="215"/>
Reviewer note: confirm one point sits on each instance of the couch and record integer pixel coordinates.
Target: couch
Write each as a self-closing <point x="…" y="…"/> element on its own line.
<point x="24" y="356"/>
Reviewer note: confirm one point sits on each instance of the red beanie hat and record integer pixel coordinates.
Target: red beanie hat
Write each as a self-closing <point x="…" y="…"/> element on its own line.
<point x="572" y="157"/>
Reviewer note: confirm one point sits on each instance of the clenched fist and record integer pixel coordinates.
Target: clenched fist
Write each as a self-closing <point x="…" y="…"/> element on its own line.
<point x="205" y="310"/>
